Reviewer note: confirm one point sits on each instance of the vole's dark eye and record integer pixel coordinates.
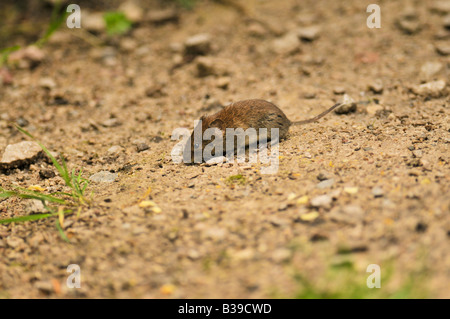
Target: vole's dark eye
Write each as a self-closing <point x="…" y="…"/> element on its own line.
<point x="196" y="145"/>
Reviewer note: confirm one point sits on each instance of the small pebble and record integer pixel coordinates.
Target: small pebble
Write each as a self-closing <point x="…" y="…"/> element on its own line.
<point x="417" y="153"/>
<point x="281" y="255"/>
<point x="46" y="173"/>
<point x="325" y="184"/>
<point x="349" y="214"/>
<point x="20" y="154"/>
<point x="44" y="286"/>
<point x="28" y="57"/>
<point x="22" y="122"/>
<point x="287" y="44"/>
<point x="199" y="44"/>
<point x="309" y="33"/>
<point x="429" y="69"/>
<point x="376" y="87"/>
<point x="34" y="206"/>
<point x="409" y="26"/>
<point x="213" y="66"/>
<point x="47" y="83"/>
<point x="256" y="30"/>
<point x="142" y="147"/>
<point x="132" y="11"/>
<point x="114" y="150"/>
<point x="441" y="6"/>
<point x="216" y="160"/>
<point x="446" y="21"/>
<point x="223" y="82"/>
<point x="377" y="191"/>
<point x="155" y="91"/>
<point x="104" y="177"/>
<point x="374" y="109"/>
<point x="339" y="90"/>
<point x="348" y="105"/>
<point x="322" y="176"/>
<point x="431" y="89"/>
<point x="111" y="123"/>
<point x="93" y="21"/>
<point x="443" y="49"/>
<point x="321" y="201"/>
<point x="14" y="242"/>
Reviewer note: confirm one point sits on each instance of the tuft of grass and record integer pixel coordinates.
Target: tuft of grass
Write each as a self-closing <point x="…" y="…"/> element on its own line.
<point x="342" y="281"/>
<point x="236" y="179"/>
<point x="116" y="23"/>
<point x="57" y="18"/>
<point x="4" y="54"/>
<point x="57" y="204"/>
<point x="75" y="182"/>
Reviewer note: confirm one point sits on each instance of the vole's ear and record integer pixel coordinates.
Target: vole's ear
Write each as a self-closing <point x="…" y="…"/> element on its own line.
<point x="217" y="123"/>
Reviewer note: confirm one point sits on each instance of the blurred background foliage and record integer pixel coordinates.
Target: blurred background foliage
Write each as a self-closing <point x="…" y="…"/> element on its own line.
<point x="28" y="21"/>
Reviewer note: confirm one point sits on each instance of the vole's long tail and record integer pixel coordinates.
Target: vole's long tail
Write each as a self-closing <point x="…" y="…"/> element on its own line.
<point x="318" y="117"/>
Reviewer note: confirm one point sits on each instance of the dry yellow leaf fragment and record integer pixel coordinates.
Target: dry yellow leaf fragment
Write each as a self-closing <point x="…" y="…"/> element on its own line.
<point x="351" y="190"/>
<point x="147" y="203"/>
<point x="36" y="188"/>
<point x="167" y="289"/>
<point x="303" y="200"/>
<point x="156" y="210"/>
<point x="308" y="217"/>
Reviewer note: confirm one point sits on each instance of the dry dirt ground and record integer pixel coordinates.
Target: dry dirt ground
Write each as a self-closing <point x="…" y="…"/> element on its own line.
<point x="228" y="230"/>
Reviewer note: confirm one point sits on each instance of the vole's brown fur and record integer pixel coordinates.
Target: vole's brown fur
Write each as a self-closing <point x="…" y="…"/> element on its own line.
<point x="251" y="114"/>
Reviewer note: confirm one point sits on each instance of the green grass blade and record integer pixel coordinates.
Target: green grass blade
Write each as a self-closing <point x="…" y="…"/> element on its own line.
<point x="61" y="193"/>
<point x="61" y="171"/>
<point x="76" y="185"/>
<point x="29" y="194"/>
<point x="42" y="197"/>
<point x="24" y="218"/>
<point x="56" y="20"/>
<point x="61" y="232"/>
<point x="26" y="193"/>
<point x="7" y="194"/>
<point x="4" y="53"/>
<point x="84" y="186"/>
<point x="66" y="171"/>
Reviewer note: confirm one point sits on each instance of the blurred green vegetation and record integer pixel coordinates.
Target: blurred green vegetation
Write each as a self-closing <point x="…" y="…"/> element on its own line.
<point x="33" y="22"/>
<point x="189" y="4"/>
<point x="116" y="23"/>
<point x="342" y="280"/>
